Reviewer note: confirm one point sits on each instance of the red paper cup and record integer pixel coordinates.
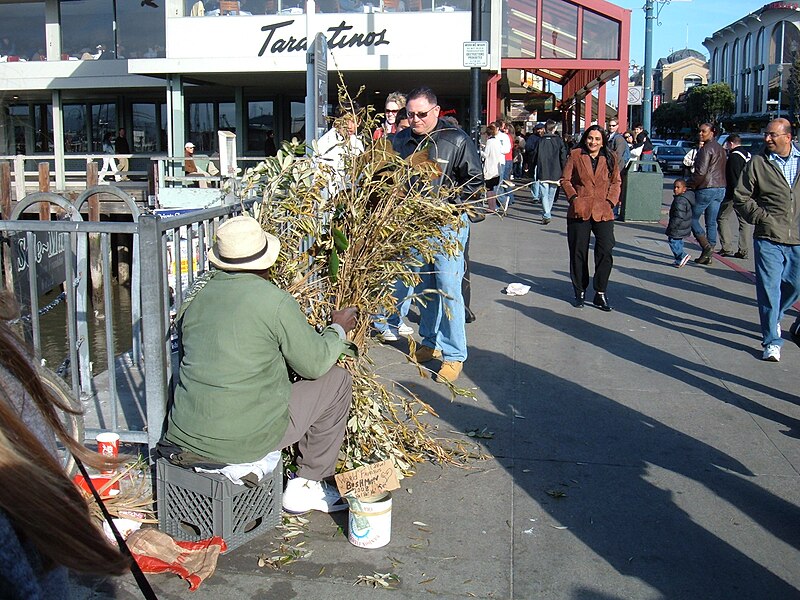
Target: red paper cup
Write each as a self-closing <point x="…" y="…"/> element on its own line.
<point x="108" y="445"/>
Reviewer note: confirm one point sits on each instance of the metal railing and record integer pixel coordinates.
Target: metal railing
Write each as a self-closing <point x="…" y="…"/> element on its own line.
<point x="131" y="396"/>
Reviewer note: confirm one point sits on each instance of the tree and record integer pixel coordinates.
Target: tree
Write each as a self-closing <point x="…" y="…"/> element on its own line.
<point x="670" y="117"/>
<point x="794" y="89"/>
<point x="709" y="103"/>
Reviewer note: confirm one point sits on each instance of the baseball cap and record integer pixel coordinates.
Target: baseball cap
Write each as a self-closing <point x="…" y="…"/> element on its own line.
<point x="539" y="125"/>
<point x="188" y="145"/>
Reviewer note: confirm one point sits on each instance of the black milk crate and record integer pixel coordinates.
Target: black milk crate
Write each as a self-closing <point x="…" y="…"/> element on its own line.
<point x="196" y="506"/>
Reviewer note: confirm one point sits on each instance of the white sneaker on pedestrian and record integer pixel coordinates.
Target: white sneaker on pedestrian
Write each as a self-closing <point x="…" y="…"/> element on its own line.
<point x="405" y="329"/>
<point x="772" y="353"/>
<point x="302" y="495"/>
<point x="388" y="336"/>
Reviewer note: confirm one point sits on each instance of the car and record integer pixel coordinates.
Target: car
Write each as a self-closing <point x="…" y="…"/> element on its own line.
<point x="685" y="144"/>
<point x="752" y="142"/>
<point x="658" y="142"/>
<point x="670" y="158"/>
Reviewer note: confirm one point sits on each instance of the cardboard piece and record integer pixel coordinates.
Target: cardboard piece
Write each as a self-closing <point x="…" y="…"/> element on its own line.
<point x="369" y="480"/>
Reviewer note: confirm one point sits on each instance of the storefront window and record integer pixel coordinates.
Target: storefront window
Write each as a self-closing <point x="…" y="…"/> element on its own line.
<point x="260" y="120"/>
<point x="87" y="30"/>
<point x="23" y="129"/>
<point x="144" y="136"/>
<point x="227" y="117"/>
<point x="140" y="29"/>
<point x="75" y="130"/>
<point x="43" y="125"/>
<point x="559" y="29"/>
<point x="22" y="31"/>
<point x="298" y="125"/>
<point x="600" y="37"/>
<point x="202" y="129"/>
<point x="104" y="120"/>
<point x="519" y="29"/>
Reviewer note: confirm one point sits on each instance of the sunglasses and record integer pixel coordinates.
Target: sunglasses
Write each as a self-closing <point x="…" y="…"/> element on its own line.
<point x="392" y="110"/>
<point x="419" y="114"/>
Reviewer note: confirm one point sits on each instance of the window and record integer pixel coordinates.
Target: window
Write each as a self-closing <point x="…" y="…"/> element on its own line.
<point x="104" y="120"/>
<point x="559" y="29"/>
<point x="747" y="74"/>
<point x="141" y="30"/>
<point x="600" y="36"/>
<point x="758" y="91"/>
<point x="22" y="31"/>
<point x="519" y="30"/>
<point x="723" y="65"/>
<point x="144" y="135"/>
<point x="202" y="128"/>
<point x="298" y="125"/>
<point x="690" y="81"/>
<point x="87" y="29"/>
<point x="260" y="120"/>
<point x="23" y="130"/>
<point x="76" y="132"/>
<point x="784" y="43"/>
<point x="715" y="65"/>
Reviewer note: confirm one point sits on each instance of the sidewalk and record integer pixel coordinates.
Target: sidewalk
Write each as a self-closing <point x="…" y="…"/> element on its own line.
<point x="642" y="453"/>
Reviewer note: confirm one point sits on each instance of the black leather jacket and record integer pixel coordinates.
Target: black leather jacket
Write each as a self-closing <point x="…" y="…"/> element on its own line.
<point x="709" y="166"/>
<point x="455" y="154"/>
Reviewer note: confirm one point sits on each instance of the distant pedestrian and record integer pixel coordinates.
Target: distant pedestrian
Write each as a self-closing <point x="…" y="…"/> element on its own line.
<point x="549" y="159"/>
<point x="493" y="165"/>
<point x="394" y="103"/>
<point x="680" y="221"/>
<point x="530" y="147"/>
<point x="270" y="149"/>
<point x="121" y="146"/>
<point x="618" y="145"/>
<point x="109" y="165"/>
<point x="767" y="197"/>
<point x="738" y="157"/>
<point x="708" y="182"/>
<point x="591" y="182"/>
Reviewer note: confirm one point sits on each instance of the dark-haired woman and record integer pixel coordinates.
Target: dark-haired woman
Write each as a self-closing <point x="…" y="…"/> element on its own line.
<point x="45" y="527"/>
<point x="592" y="184"/>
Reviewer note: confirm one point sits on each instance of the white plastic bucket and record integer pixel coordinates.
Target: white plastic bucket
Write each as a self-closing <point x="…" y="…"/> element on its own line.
<point x="370" y="521"/>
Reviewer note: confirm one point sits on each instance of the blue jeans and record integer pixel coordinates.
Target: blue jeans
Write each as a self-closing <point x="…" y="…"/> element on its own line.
<point x="777" y="285"/>
<point x="442" y="318"/>
<point x="707" y="202"/>
<point x="503" y="193"/>
<point x="547" y="192"/>
<point x="403" y="294"/>
<point x="676" y="245"/>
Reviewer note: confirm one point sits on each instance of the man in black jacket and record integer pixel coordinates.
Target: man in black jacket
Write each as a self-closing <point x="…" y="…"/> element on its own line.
<point x="442" y="318"/>
<point x="738" y="157"/>
<point x="549" y="159"/>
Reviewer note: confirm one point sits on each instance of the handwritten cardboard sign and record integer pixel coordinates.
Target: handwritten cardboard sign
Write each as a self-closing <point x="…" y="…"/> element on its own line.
<point x="369" y="480"/>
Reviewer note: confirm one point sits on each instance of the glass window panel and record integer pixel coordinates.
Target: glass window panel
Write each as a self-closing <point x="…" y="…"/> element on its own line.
<point x="23" y="131"/>
<point x="559" y="29"/>
<point x="75" y="140"/>
<point x="723" y="65"/>
<point x="43" y="124"/>
<point x="227" y="117"/>
<point x="298" y="124"/>
<point x="202" y="129"/>
<point x="776" y="43"/>
<point x="140" y="30"/>
<point x="144" y="136"/>
<point x="104" y="120"/>
<point x="791" y="41"/>
<point x="260" y="119"/>
<point x="22" y="30"/>
<point x="519" y="29"/>
<point x="715" y="65"/>
<point x="600" y="37"/>
<point x="87" y="29"/>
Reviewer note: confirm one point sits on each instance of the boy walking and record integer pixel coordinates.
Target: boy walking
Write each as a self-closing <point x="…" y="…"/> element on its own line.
<point x="680" y="221"/>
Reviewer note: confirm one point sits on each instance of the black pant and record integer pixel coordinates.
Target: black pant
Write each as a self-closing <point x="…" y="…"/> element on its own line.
<point x="578" y="232"/>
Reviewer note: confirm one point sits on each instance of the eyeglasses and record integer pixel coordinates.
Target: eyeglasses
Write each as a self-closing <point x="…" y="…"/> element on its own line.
<point x="420" y="114"/>
<point x="392" y="110"/>
<point x="774" y="135"/>
<point x="612" y="124"/>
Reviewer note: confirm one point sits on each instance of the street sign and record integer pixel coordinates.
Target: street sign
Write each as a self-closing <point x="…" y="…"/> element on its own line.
<point x="476" y="54"/>
<point x="635" y="94"/>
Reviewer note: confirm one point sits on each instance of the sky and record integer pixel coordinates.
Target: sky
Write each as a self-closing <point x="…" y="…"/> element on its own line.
<point x="698" y="19"/>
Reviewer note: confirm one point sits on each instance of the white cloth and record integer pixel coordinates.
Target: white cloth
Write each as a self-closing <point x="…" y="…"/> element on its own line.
<point x="261" y="468"/>
<point x="517" y="289"/>
<point x="493" y="157"/>
<point x="505" y="142"/>
<point x="333" y="150"/>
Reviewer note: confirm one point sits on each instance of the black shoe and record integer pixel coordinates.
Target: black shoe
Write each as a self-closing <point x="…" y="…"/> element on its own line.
<point x="469" y="316"/>
<point x="545" y="221"/>
<point x="580" y="299"/>
<point x="740" y="254"/>
<point x="705" y="256"/>
<point x="601" y="302"/>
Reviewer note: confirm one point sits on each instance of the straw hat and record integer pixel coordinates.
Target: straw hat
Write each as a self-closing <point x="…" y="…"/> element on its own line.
<point x="242" y="245"/>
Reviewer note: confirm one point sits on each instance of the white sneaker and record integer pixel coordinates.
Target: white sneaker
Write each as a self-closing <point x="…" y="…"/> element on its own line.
<point x="772" y="353"/>
<point x="388" y="336"/>
<point x="302" y="495"/>
<point x="405" y="329"/>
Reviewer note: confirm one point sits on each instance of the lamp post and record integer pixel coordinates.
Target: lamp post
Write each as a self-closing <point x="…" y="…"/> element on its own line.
<point x="647" y="102"/>
<point x="780" y="88"/>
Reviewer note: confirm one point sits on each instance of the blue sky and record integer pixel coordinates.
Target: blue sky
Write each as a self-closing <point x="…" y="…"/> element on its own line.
<point x="701" y="17"/>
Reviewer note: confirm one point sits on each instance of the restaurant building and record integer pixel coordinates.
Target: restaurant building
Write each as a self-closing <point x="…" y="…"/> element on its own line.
<point x="171" y="71"/>
<point x="754" y="55"/>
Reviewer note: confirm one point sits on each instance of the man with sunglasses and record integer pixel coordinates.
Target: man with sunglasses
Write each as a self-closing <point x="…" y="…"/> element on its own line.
<point x="442" y="319"/>
<point x="766" y="197"/>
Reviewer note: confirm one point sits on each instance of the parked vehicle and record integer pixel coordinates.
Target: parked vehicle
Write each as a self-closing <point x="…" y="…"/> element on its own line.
<point x="752" y="142"/>
<point x="670" y="158"/>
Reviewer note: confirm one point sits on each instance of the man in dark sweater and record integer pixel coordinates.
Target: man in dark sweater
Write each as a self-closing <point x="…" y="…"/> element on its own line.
<point x="549" y="159"/>
<point x="738" y="157"/>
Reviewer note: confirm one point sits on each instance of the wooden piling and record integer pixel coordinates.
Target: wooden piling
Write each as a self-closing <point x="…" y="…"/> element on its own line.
<point x="44" y="186"/>
<point x="95" y="253"/>
<point x="5" y="213"/>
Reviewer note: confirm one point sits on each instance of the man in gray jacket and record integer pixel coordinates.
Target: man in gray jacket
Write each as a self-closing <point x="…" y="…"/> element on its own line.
<point x="766" y="197"/>
<point x="549" y="158"/>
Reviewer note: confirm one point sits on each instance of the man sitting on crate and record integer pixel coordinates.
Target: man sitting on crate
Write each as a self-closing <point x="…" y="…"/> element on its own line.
<point x="235" y="402"/>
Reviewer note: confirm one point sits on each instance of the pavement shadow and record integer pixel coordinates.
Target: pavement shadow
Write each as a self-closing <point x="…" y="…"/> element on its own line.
<point x="605" y="456"/>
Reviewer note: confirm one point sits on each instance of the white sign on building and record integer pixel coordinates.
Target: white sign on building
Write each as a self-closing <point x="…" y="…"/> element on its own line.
<point x="476" y="54"/>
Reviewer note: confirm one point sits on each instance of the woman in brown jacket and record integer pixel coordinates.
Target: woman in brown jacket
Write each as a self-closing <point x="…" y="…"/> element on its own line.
<point x="592" y="184"/>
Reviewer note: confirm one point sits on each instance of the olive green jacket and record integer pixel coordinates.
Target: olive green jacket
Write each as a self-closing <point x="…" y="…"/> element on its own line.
<point x="764" y="199"/>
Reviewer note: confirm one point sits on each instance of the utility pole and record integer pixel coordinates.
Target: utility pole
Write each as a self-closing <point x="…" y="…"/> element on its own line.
<point x="475" y="79"/>
<point x="647" y="96"/>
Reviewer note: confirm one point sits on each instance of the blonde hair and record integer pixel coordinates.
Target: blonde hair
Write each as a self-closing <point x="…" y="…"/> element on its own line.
<point x="398" y="98"/>
<point x="45" y="507"/>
